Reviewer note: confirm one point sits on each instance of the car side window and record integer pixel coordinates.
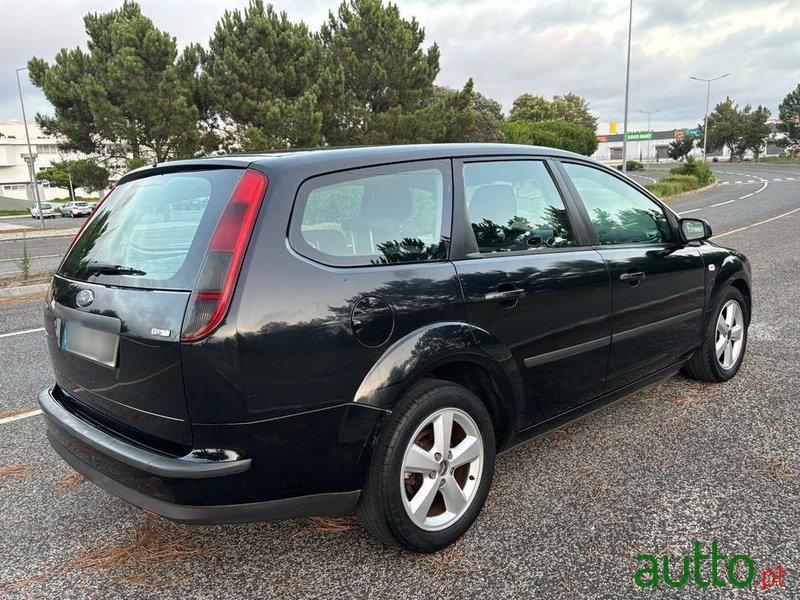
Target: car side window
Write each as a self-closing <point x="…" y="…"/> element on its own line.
<point x="514" y="205"/>
<point x="380" y="215"/>
<point x="619" y="213"/>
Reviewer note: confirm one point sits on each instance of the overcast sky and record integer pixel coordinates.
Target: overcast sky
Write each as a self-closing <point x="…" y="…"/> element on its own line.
<point x="508" y="47"/>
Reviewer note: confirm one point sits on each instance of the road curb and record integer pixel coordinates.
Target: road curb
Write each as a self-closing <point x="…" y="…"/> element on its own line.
<point x="34" y="234"/>
<point x="23" y="290"/>
<point x="682" y="195"/>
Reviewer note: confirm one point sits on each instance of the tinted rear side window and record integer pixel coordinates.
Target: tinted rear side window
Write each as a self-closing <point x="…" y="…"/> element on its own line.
<point x="152" y="232"/>
<point x="379" y="215"/>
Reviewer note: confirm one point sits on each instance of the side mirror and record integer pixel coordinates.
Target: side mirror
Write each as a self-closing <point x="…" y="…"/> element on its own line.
<point x="694" y="230"/>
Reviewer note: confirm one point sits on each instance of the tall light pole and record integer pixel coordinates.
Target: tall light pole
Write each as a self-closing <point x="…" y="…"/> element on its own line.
<point x="708" y="100"/>
<point x="627" y="87"/>
<point x="649" y="113"/>
<point x="30" y="151"/>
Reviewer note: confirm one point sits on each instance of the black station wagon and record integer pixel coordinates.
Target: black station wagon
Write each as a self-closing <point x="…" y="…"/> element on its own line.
<point x="321" y="332"/>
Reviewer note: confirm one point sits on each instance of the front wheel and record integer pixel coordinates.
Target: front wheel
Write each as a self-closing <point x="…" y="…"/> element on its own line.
<point x="431" y="470"/>
<point x="722" y="352"/>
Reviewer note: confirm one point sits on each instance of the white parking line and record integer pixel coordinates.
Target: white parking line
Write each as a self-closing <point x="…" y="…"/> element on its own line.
<point x="686" y="212"/>
<point x="32" y="413"/>
<point x="4" y="335"/>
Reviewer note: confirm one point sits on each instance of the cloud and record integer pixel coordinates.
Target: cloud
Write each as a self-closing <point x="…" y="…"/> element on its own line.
<point x="508" y="48"/>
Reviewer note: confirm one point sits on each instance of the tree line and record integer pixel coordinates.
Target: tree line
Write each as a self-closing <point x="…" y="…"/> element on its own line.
<point x="745" y="129"/>
<point x="264" y="82"/>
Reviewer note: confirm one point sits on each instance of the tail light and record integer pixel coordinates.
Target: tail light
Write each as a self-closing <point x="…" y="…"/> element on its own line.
<point x="212" y="293"/>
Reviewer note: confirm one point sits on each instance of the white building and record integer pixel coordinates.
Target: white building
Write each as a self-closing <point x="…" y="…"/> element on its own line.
<point x="16" y="190"/>
<point x="609" y="147"/>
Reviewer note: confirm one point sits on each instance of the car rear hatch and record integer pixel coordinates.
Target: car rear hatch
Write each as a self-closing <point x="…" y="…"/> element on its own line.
<point x="116" y="311"/>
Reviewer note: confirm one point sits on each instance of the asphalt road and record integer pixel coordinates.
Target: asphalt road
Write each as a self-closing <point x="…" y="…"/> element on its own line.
<point x="568" y="512"/>
<point x="57" y="223"/>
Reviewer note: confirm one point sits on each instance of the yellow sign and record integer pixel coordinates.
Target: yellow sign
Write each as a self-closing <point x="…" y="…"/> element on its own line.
<point x="613" y="127"/>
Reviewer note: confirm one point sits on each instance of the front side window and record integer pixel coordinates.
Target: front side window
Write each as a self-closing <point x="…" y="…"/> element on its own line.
<point x="381" y="215"/>
<point x="514" y="206"/>
<point x="620" y="214"/>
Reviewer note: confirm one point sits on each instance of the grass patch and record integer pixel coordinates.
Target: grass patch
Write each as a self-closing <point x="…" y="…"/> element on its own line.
<point x="15" y="213"/>
<point x="673" y="185"/>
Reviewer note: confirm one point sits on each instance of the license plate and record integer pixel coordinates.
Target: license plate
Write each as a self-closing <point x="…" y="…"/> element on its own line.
<point x="98" y="346"/>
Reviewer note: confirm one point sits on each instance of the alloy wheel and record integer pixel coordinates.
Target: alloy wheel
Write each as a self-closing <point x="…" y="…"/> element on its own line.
<point x="442" y="469"/>
<point x="729" y="338"/>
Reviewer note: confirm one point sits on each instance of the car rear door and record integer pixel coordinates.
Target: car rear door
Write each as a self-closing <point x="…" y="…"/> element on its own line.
<point x="531" y="280"/>
<point x="657" y="283"/>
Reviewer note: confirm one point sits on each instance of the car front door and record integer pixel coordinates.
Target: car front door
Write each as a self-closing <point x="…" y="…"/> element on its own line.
<point x="657" y="282"/>
<point x="531" y="281"/>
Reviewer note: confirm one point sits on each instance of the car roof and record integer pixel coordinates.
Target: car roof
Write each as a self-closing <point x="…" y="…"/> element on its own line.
<point x="334" y="158"/>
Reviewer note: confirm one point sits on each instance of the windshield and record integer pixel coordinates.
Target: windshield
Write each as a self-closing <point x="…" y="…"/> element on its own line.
<point x="152" y="232"/>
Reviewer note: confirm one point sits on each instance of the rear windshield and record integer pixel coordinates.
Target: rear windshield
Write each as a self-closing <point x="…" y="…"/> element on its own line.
<point x="46" y="206"/>
<point x="152" y="232"/>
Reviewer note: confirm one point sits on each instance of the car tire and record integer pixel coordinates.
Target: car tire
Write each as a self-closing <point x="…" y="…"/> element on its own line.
<point x="722" y="352"/>
<point x="406" y="472"/>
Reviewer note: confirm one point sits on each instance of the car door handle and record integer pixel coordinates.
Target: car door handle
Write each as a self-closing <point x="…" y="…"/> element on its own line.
<point x="637" y="276"/>
<point x="504" y="295"/>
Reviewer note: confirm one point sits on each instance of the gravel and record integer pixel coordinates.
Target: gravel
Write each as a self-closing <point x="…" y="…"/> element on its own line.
<point x="567" y="515"/>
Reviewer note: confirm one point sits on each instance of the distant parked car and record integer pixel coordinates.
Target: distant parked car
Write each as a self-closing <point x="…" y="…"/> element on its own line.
<point x="76" y="209"/>
<point x="47" y="211"/>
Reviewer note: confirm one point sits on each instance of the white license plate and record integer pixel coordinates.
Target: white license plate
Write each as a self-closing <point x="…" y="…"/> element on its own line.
<point x="98" y="346"/>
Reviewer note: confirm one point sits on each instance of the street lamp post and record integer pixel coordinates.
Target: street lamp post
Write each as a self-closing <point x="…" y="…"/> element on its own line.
<point x="708" y="100"/>
<point x="30" y="152"/>
<point x="649" y="113"/>
<point x="627" y="87"/>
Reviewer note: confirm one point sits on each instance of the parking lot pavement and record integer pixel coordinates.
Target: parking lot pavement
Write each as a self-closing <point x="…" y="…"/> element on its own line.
<point x="566" y="518"/>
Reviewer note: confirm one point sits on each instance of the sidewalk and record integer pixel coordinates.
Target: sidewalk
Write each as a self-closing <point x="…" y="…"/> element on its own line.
<point x="14" y="232"/>
<point x="24" y="290"/>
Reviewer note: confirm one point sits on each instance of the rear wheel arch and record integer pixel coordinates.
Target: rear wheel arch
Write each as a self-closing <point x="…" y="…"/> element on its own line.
<point x="492" y="388"/>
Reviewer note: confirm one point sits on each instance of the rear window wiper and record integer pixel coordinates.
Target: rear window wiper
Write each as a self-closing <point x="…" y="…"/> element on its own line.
<point x="106" y="269"/>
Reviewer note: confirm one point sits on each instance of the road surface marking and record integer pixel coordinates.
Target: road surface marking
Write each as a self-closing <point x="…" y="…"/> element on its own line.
<point x="765" y="221"/>
<point x="32" y="413"/>
<point x="646" y="177"/>
<point x="686" y="212"/>
<point x="3" y="335"/>
<point x="722" y="203"/>
<point x="746" y="196"/>
<point x="739" y="181"/>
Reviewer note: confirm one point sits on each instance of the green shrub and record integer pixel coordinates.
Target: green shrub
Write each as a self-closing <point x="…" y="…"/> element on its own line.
<point x="633" y="165"/>
<point x="554" y="134"/>
<point x="674" y="184"/>
<point x="694" y="167"/>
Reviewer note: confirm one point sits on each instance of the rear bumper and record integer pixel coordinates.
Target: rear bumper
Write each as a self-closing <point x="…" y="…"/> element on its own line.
<point x="277" y="477"/>
<point x="326" y="505"/>
<point x="190" y="466"/>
